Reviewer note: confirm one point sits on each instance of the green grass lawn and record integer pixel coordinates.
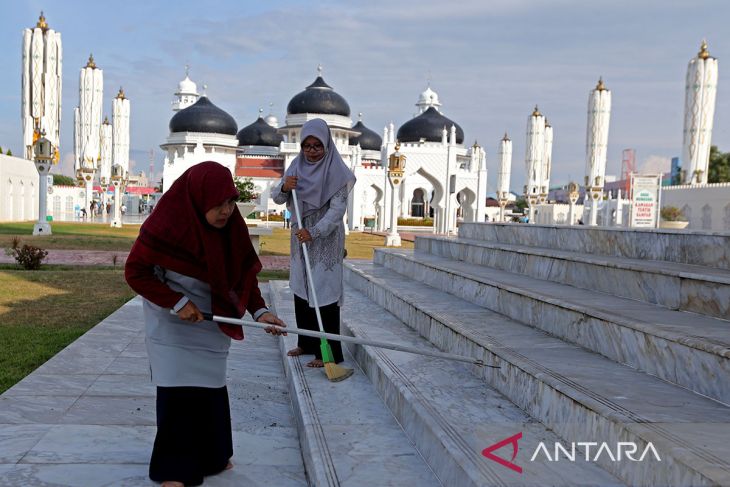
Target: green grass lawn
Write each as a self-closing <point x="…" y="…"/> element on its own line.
<point x="72" y="236"/>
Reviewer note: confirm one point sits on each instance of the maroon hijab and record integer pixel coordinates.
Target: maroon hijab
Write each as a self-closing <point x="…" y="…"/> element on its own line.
<point x="177" y="236"/>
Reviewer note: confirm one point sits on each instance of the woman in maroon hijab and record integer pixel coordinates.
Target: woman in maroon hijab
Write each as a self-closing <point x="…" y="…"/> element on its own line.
<point x="194" y="256"/>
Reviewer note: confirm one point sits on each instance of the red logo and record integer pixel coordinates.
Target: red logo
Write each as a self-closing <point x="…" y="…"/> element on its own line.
<point x="487" y="452"/>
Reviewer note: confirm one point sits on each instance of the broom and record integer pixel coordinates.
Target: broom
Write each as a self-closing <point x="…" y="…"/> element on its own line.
<point x="335" y="373"/>
<point x="349" y="339"/>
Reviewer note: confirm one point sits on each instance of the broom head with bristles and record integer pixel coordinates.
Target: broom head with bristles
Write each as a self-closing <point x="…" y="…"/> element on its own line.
<point x="335" y="373"/>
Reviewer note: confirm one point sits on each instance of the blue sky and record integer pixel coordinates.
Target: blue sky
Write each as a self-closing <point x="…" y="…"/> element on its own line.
<point x="489" y="61"/>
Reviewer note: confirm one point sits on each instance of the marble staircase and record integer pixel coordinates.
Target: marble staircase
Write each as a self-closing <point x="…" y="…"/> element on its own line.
<point x="601" y="336"/>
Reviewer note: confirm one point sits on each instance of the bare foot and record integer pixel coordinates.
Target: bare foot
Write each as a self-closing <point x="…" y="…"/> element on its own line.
<point x="229" y="466"/>
<point x="315" y="363"/>
<point x="172" y="483"/>
<point x="295" y="352"/>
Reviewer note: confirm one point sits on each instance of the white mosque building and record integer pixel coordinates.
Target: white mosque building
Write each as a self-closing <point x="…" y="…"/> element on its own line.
<point x="443" y="177"/>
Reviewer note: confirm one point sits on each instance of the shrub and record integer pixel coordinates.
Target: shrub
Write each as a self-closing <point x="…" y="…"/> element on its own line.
<point x="28" y="256"/>
<point x="672" y="214"/>
<point x="415" y="222"/>
<point x="246" y="190"/>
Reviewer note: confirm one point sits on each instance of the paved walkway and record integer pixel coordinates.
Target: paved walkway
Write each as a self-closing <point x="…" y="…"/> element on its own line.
<point x="102" y="257"/>
<point x="87" y="416"/>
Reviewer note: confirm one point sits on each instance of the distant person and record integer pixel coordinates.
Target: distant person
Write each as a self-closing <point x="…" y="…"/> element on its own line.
<point x="323" y="181"/>
<point x="108" y="208"/>
<point x="194" y="256"/>
<point x="123" y="209"/>
<point x="287" y="218"/>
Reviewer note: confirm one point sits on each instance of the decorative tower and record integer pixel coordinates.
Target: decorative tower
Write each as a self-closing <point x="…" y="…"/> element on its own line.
<point x="120" y="151"/>
<point x="186" y="94"/>
<point x="547" y="158"/>
<point x="699" y="110"/>
<point x="504" y="153"/>
<point x="88" y="124"/>
<point x="599" y="115"/>
<point x="533" y="159"/>
<point x="41" y="87"/>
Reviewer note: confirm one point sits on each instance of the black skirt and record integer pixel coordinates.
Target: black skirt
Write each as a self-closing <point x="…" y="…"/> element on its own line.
<point x="307" y="319"/>
<point x="193" y="434"/>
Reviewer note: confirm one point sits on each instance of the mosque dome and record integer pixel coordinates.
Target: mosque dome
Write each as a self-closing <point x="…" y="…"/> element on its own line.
<point x="203" y="116"/>
<point x="272" y="120"/>
<point x="319" y="97"/>
<point x="428" y="126"/>
<point x="368" y="139"/>
<point x="259" y="133"/>
<point x="187" y="86"/>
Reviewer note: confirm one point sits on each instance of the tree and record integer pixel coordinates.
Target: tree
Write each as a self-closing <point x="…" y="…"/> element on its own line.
<point x="61" y="180"/>
<point x="9" y="152"/>
<point x="245" y="189"/>
<point x="719" y="170"/>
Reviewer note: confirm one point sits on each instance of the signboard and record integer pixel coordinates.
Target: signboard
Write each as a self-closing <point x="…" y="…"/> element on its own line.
<point x="645" y="195"/>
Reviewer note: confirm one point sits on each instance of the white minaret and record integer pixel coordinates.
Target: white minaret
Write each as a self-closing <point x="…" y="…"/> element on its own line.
<point x="41" y="86"/>
<point x="186" y="94"/>
<point x="599" y="115"/>
<point x="547" y="158"/>
<point x="120" y="151"/>
<point x="533" y="158"/>
<point x="504" y="154"/>
<point x="88" y="124"/>
<point x="120" y="124"/>
<point x="699" y="110"/>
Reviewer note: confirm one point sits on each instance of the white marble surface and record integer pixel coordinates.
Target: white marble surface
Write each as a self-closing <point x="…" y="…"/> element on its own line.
<point x="348" y="436"/>
<point x="687" y="287"/>
<point x="576" y="393"/>
<point x="450" y="414"/>
<point x="688" y="349"/>
<point x="688" y="247"/>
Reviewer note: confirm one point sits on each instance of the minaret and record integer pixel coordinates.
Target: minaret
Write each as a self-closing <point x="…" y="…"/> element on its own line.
<point x="547" y="158"/>
<point x="120" y="131"/>
<point x="599" y="115"/>
<point x="41" y="86"/>
<point x="699" y="109"/>
<point x="504" y="154"/>
<point x="88" y="124"/>
<point x="186" y="94"/>
<point x="533" y="158"/>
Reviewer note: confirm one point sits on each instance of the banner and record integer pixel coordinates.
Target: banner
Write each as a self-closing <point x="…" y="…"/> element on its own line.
<point x="645" y="194"/>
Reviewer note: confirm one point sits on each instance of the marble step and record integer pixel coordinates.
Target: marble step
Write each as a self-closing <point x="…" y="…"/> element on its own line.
<point x="680" y="246"/>
<point x="579" y="394"/>
<point x="348" y="437"/>
<point x="452" y="415"/>
<point x="698" y="289"/>
<point x="684" y="348"/>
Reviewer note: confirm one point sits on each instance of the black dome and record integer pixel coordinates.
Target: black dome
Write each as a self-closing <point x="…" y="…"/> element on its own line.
<point x="203" y="116"/>
<point x="367" y="139"/>
<point x="319" y="97"/>
<point x="259" y="133"/>
<point x="429" y="126"/>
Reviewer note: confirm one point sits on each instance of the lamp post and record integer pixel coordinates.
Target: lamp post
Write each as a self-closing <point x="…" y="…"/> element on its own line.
<point x="43" y="152"/>
<point x="119" y="179"/>
<point x="396" y="167"/>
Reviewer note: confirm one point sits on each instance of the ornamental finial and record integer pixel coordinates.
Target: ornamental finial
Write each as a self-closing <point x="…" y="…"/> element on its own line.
<point x="319" y="70"/>
<point x="704" y="53"/>
<point x="505" y="138"/>
<point x="42" y="22"/>
<point x="536" y="113"/>
<point x="600" y="86"/>
<point x="91" y="63"/>
<point x="120" y="95"/>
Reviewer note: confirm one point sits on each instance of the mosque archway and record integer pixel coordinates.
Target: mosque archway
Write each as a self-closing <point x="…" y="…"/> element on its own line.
<point x="418" y="203"/>
<point x="466" y="209"/>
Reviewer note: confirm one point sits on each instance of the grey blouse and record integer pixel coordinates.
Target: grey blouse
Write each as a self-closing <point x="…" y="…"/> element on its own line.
<point x="326" y="251"/>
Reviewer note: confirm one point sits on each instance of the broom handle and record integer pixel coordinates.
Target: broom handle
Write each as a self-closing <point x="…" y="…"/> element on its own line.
<point x="345" y="338"/>
<point x="306" y="262"/>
